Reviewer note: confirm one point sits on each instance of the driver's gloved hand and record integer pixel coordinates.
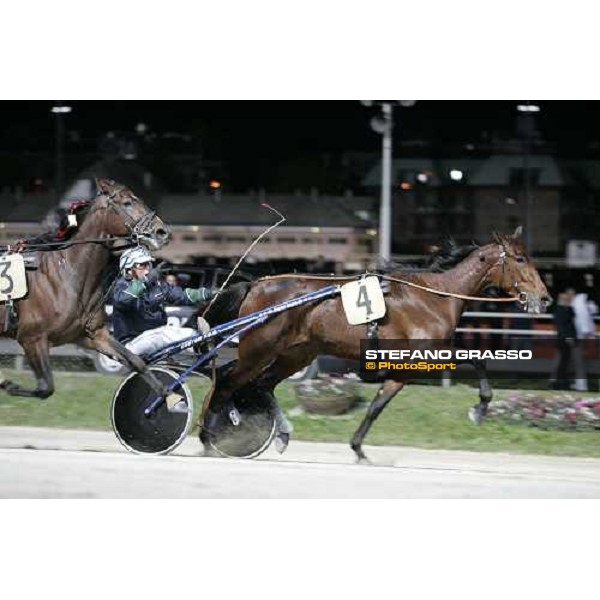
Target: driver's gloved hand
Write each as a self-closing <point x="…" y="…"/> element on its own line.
<point x="152" y="277"/>
<point x="136" y="288"/>
<point x="200" y="295"/>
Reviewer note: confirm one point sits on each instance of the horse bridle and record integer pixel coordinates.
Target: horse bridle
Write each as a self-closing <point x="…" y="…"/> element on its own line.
<point x="137" y="228"/>
<point x="523" y="297"/>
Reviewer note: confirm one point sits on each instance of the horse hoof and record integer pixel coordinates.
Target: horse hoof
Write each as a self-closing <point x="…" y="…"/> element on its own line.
<point x="208" y="452"/>
<point x="9" y="387"/>
<point x="475" y="416"/>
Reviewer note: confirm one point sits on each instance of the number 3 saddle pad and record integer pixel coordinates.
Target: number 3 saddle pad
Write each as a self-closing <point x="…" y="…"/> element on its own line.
<point x="13" y="282"/>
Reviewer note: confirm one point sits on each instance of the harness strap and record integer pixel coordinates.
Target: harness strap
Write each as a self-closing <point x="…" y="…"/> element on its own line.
<point x="372" y="330"/>
<point x="9" y="316"/>
<point x="105" y="297"/>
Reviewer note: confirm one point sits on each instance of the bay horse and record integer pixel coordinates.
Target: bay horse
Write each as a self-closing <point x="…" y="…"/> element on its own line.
<point x="291" y="340"/>
<point x="65" y="299"/>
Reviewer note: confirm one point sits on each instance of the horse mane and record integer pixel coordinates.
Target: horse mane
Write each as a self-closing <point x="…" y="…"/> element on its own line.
<point x="448" y="254"/>
<point x="58" y="238"/>
<point x="80" y="210"/>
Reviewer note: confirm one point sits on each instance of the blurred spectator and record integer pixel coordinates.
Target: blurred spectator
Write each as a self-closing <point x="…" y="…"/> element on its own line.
<point x="566" y="337"/>
<point x="585" y="309"/>
<point x="171" y="280"/>
<point x="585" y="329"/>
<point x="183" y="279"/>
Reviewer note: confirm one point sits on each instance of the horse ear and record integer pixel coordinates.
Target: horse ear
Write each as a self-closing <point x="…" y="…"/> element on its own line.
<point x="518" y="231"/>
<point x="497" y="237"/>
<point x="104" y="185"/>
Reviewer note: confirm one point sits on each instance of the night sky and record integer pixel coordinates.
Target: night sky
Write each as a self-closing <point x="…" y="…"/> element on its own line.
<point x="258" y="134"/>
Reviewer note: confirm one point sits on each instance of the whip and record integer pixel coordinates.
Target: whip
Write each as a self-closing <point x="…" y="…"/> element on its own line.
<point x="248" y="250"/>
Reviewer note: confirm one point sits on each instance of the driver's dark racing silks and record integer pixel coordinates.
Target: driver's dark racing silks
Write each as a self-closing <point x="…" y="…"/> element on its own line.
<point x="141" y="309"/>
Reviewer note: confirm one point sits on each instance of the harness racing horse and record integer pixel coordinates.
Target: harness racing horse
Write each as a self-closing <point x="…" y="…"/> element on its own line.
<point x="65" y="299"/>
<point x="291" y="340"/>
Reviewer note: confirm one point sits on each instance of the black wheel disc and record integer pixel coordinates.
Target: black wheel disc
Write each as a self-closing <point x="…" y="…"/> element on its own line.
<point x="158" y="434"/>
<point x="251" y="437"/>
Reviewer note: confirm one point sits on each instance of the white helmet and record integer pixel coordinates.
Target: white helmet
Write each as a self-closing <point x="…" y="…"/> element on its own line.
<point x="134" y="256"/>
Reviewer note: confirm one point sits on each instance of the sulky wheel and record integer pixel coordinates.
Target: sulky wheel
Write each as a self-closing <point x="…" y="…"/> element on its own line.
<point x="159" y="433"/>
<point x="254" y="432"/>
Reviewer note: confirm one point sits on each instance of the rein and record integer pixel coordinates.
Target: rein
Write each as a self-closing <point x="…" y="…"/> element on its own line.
<point x="66" y="244"/>
<point x="450" y="294"/>
<point x="395" y="280"/>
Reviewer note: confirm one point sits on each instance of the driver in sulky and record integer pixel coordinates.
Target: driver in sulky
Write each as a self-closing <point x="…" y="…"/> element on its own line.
<point x="139" y="300"/>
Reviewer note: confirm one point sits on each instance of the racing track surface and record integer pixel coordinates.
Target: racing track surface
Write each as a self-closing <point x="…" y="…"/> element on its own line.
<point x="50" y="463"/>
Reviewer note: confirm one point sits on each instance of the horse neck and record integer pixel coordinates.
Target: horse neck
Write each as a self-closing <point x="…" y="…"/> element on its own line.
<point x="93" y="257"/>
<point x="469" y="276"/>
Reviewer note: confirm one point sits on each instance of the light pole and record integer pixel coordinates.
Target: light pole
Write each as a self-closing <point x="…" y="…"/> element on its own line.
<point x="59" y="110"/>
<point x="384" y="125"/>
<point x="527" y="111"/>
<point x="385" y="209"/>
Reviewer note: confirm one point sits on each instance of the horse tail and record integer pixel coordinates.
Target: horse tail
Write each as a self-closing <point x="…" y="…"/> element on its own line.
<point x="227" y="305"/>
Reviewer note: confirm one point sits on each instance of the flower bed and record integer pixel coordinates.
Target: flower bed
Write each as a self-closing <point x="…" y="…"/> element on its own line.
<point x="327" y="396"/>
<point x="567" y="412"/>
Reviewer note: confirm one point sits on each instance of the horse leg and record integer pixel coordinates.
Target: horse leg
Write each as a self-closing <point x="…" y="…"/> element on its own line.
<point x="286" y="365"/>
<point x="260" y="387"/>
<point x="479" y="411"/>
<point x="37" y="351"/>
<point x="106" y="344"/>
<point x="265" y="391"/>
<point x="226" y="384"/>
<point x="384" y="394"/>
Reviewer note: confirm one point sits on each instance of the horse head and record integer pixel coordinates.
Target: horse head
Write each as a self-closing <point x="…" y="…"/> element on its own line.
<point x="515" y="273"/>
<point x="128" y="216"/>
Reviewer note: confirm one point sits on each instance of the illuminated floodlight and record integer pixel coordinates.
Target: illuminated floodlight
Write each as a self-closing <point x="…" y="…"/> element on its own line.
<point x="422" y="177"/>
<point x="214" y="184"/>
<point x="379" y="125"/>
<point x="456" y="175"/>
<point x="61" y="110"/>
<point x="531" y="108"/>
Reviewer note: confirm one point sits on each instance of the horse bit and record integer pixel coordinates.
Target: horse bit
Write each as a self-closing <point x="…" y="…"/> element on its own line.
<point x="522" y="296"/>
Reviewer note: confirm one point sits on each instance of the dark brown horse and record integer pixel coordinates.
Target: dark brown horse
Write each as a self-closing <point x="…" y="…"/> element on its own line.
<point x="65" y="300"/>
<point x="291" y="340"/>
